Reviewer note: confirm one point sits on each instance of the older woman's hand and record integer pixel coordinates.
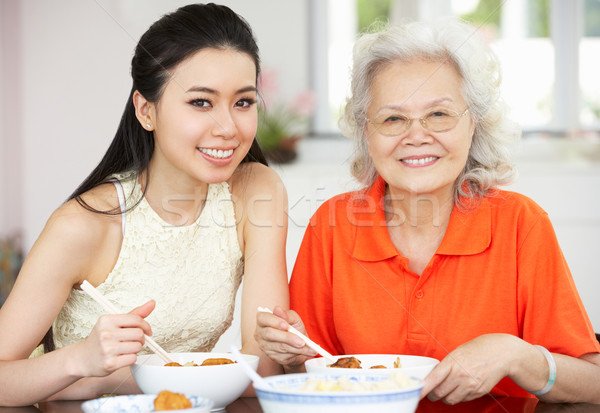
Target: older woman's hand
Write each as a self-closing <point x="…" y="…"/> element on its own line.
<point x="280" y="345"/>
<point x="472" y="369"/>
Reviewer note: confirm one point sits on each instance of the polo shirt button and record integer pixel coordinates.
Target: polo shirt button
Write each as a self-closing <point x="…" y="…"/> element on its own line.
<point x="419" y="294"/>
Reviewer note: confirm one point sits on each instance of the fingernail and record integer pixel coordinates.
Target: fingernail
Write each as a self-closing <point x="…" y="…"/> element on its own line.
<point x="299" y="343"/>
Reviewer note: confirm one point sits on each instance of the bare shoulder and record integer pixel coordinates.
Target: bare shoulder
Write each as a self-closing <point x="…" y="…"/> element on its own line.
<point x="82" y="234"/>
<point x="253" y="180"/>
<point x="94" y="210"/>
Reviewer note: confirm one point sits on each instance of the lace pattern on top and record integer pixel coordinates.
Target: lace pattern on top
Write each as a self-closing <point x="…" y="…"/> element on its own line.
<point x="192" y="272"/>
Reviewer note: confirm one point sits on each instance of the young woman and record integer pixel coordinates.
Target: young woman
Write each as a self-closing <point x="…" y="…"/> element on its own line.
<point x="433" y="259"/>
<point x="181" y="205"/>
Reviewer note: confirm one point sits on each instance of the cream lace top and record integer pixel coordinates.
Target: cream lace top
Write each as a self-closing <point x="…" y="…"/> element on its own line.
<point x="192" y="272"/>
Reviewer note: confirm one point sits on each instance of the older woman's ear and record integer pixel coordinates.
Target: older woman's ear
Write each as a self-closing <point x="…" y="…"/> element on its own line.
<point x="473" y="126"/>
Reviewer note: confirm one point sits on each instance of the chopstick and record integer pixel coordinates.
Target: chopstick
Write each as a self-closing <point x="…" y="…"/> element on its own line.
<point x="307" y="340"/>
<point x="254" y="376"/>
<point x="111" y="309"/>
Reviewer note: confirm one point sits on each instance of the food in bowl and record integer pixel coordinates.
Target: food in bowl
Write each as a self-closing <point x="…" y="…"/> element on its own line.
<point x="396" y="380"/>
<point x="346" y="363"/>
<point x="287" y="394"/>
<point x="208" y="362"/>
<point x="216" y="361"/>
<point x="167" y="400"/>
<point x="222" y="383"/>
<point x="414" y="366"/>
<point x="354" y="363"/>
<point x="140" y="403"/>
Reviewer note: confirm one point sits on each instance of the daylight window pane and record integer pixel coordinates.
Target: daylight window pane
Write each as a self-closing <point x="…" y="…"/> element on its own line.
<point x="589" y="65"/>
<point x="518" y="31"/>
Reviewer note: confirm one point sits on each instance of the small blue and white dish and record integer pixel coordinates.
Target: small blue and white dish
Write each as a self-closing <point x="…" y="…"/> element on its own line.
<point x="140" y="403"/>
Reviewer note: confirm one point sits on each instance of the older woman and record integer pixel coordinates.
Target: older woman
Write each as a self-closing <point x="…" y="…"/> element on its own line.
<point x="431" y="259"/>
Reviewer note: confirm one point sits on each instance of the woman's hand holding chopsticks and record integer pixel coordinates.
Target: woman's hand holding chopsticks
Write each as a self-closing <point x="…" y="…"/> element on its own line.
<point x="284" y="347"/>
<point x="115" y="340"/>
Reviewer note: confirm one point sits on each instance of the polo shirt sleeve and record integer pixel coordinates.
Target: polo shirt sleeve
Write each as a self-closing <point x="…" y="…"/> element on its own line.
<point x="311" y="285"/>
<point x="550" y="309"/>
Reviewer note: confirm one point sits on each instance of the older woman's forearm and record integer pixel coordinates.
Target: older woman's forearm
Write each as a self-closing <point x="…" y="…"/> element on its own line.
<point x="577" y="379"/>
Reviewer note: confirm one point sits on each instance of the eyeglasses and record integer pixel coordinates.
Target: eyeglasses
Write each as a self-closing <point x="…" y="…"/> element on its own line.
<point x="395" y="124"/>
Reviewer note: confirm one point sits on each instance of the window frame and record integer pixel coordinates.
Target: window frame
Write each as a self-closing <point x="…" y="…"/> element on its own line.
<point x="566" y="32"/>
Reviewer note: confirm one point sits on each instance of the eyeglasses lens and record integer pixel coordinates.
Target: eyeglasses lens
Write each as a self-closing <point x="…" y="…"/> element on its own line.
<point x="397" y="123"/>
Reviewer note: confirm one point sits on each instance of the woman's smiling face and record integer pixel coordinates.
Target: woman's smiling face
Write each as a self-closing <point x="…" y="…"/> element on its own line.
<point x="206" y="118"/>
<point x="419" y="161"/>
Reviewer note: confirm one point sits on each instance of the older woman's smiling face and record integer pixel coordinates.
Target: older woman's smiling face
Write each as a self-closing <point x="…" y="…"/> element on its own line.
<point x="419" y="161"/>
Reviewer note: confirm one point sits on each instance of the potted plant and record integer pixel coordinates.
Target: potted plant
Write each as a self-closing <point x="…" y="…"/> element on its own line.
<point x="281" y="124"/>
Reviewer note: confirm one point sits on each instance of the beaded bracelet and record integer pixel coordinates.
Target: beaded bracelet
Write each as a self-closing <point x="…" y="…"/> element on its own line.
<point x="551" y="372"/>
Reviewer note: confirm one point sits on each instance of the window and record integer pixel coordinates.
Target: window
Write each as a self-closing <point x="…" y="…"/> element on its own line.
<point x="589" y="65"/>
<point x="548" y="50"/>
<point x="519" y="33"/>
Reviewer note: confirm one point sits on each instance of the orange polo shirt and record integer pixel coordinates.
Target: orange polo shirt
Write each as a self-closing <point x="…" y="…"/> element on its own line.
<point x="499" y="269"/>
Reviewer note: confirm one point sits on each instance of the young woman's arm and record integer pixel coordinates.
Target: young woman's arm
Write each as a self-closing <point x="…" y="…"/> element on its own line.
<point x="71" y="248"/>
<point x="263" y="223"/>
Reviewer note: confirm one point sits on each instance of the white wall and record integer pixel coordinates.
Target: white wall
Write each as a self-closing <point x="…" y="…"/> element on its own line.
<point x="74" y="79"/>
<point x="10" y="125"/>
<point x="3" y="146"/>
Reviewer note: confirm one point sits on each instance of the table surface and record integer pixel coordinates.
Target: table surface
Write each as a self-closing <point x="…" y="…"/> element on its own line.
<point x="486" y="404"/>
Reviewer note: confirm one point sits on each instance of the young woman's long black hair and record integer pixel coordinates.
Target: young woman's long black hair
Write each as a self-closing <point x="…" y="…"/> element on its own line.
<point x="168" y="42"/>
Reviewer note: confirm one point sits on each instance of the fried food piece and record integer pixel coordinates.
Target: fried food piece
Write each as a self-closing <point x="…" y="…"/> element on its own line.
<point x="167" y="400"/>
<point x="175" y="364"/>
<point x="346" y="363"/>
<point x="216" y="362"/>
<point x="397" y="363"/>
<point x="379" y="366"/>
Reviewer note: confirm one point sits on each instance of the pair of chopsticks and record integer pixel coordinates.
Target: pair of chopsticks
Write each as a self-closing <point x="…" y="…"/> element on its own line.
<point x="307" y="340"/>
<point x="111" y="309"/>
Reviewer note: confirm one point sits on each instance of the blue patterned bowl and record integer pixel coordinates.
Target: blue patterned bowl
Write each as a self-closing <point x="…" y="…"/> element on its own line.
<point x="286" y="396"/>
<point x="139" y="403"/>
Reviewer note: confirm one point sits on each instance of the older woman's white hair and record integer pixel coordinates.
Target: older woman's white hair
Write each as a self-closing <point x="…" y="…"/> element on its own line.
<point x="448" y="40"/>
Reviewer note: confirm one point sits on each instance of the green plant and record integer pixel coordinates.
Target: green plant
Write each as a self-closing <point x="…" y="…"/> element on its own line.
<point x="277" y="124"/>
<point x="280" y="121"/>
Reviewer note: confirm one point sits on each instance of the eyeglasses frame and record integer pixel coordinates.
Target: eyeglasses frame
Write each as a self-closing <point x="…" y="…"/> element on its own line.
<point x="423" y="123"/>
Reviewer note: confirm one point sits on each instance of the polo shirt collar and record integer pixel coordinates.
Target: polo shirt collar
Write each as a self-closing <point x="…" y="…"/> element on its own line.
<point x="469" y="230"/>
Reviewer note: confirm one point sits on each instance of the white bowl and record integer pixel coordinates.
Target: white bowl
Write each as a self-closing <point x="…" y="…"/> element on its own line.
<point x="414" y="366"/>
<point x="222" y="384"/>
<point x="139" y="403"/>
<point x="286" y="397"/>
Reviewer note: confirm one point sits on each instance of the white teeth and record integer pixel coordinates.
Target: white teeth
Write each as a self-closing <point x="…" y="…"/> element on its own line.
<point x="420" y="161"/>
<point x="217" y="153"/>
